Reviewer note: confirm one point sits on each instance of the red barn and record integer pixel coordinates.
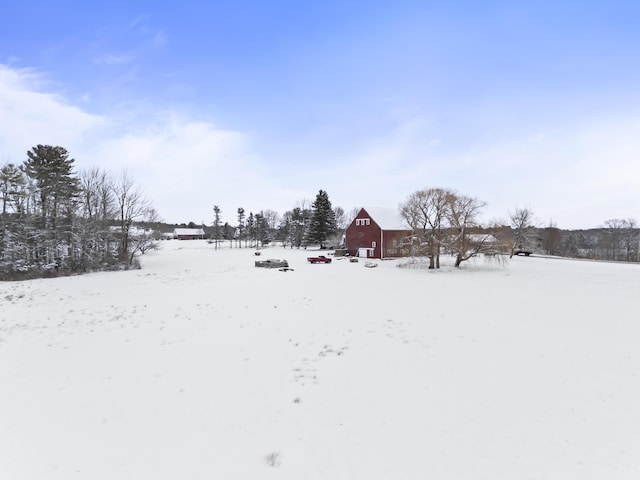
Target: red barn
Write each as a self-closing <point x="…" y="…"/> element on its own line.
<point x="378" y="233"/>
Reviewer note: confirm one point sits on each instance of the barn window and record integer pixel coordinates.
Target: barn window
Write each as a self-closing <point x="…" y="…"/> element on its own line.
<point x="373" y="244"/>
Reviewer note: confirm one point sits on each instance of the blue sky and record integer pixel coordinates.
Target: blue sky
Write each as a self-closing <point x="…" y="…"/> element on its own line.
<point x="261" y="104"/>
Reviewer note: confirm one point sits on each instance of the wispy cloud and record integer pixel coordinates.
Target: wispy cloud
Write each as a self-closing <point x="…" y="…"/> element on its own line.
<point x="139" y="23"/>
<point x="113" y="59"/>
<point x="159" y="39"/>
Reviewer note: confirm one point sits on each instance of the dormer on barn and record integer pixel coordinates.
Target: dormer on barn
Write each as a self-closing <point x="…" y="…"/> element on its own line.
<point x="377" y="233"/>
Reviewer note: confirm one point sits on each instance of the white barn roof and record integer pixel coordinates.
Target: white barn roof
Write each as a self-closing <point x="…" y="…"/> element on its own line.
<point x="188" y="231"/>
<point x="387" y="218"/>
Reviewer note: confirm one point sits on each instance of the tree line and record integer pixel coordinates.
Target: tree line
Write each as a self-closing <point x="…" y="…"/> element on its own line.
<point x="57" y="221"/>
<point x="304" y="225"/>
<point x="616" y="240"/>
<point x="444" y="221"/>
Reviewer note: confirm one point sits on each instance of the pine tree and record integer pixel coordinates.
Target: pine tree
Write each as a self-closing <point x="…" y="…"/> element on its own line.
<point x="241" y="216"/>
<point x="12" y="191"/>
<point x="298" y="227"/>
<point x="216" y="224"/>
<point x="56" y="183"/>
<point x="263" y="231"/>
<point x="251" y="229"/>
<point x="323" y="220"/>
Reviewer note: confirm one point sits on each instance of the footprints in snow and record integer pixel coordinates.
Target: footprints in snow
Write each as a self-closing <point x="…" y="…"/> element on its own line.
<point x="393" y="330"/>
<point x="307" y="372"/>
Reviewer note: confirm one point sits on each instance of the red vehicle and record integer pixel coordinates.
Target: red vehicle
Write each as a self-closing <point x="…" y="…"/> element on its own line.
<point x="319" y="259"/>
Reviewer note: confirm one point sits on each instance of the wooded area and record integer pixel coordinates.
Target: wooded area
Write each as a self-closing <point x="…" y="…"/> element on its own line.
<point x="56" y="222"/>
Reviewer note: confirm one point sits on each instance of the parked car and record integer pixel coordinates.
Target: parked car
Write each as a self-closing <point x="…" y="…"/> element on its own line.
<point x="319" y="259"/>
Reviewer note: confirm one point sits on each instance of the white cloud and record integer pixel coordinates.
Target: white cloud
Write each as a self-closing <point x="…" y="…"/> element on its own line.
<point x="578" y="175"/>
<point x="31" y="117"/>
<point x="186" y="167"/>
<point x="183" y="165"/>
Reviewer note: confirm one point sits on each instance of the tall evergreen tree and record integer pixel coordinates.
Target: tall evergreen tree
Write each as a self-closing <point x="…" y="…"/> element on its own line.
<point x="55" y="180"/>
<point x="251" y="229"/>
<point x="217" y="232"/>
<point x="285" y="229"/>
<point x="262" y="228"/>
<point x="323" y="220"/>
<point x="297" y="227"/>
<point x="12" y="191"/>
<point x="241" y="216"/>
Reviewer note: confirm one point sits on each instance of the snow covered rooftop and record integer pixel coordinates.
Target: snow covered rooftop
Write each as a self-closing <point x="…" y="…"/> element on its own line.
<point x="188" y="231"/>
<point x="387" y="218"/>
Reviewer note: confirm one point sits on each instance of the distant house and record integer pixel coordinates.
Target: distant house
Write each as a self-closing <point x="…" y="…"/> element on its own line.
<point x="133" y="231"/>
<point x="378" y="233"/>
<point x="188" y="234"/>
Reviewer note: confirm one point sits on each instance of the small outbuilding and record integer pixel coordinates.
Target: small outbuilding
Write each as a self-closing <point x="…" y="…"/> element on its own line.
<point x="378" y="233"/>
<point x="188" y="234"/>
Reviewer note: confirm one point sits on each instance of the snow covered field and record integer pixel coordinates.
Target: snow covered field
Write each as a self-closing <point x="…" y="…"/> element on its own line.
<point x="201" y="366"/>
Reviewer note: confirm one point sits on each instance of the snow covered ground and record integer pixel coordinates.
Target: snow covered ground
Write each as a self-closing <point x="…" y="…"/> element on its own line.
<point x="201" y="366"/>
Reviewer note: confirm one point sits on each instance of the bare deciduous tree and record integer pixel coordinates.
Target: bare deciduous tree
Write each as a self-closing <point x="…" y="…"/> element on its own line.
<point x="341" y="218"/>
<point x="620" y="241"/>
<point x="144" y="239"/>
<point x="463" y="215"/>
<point x="425" y="211"/>
<point x="522" y="223"/>
<point x="552" y="237"/>
<point x="351" y="215"/>
<point x="441" y="218"/>
<point x="132" y="206"/>
<point x="97" y="194"/>
<point x="271" y="218"/>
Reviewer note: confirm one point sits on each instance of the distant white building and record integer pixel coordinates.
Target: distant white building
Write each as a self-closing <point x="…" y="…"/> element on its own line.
<point x="133" y="231"/>
<point x="188" y="233"/>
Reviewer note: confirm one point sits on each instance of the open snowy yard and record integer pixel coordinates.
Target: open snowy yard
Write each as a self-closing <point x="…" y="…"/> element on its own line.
<point x="201" y="366"/>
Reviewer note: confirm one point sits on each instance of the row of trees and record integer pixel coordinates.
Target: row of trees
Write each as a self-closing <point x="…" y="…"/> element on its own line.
<point x="306" y="224"/>
<point x="616" y="240"/>
<point x="55" y="220"/>
<point x="444" y="221"/>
